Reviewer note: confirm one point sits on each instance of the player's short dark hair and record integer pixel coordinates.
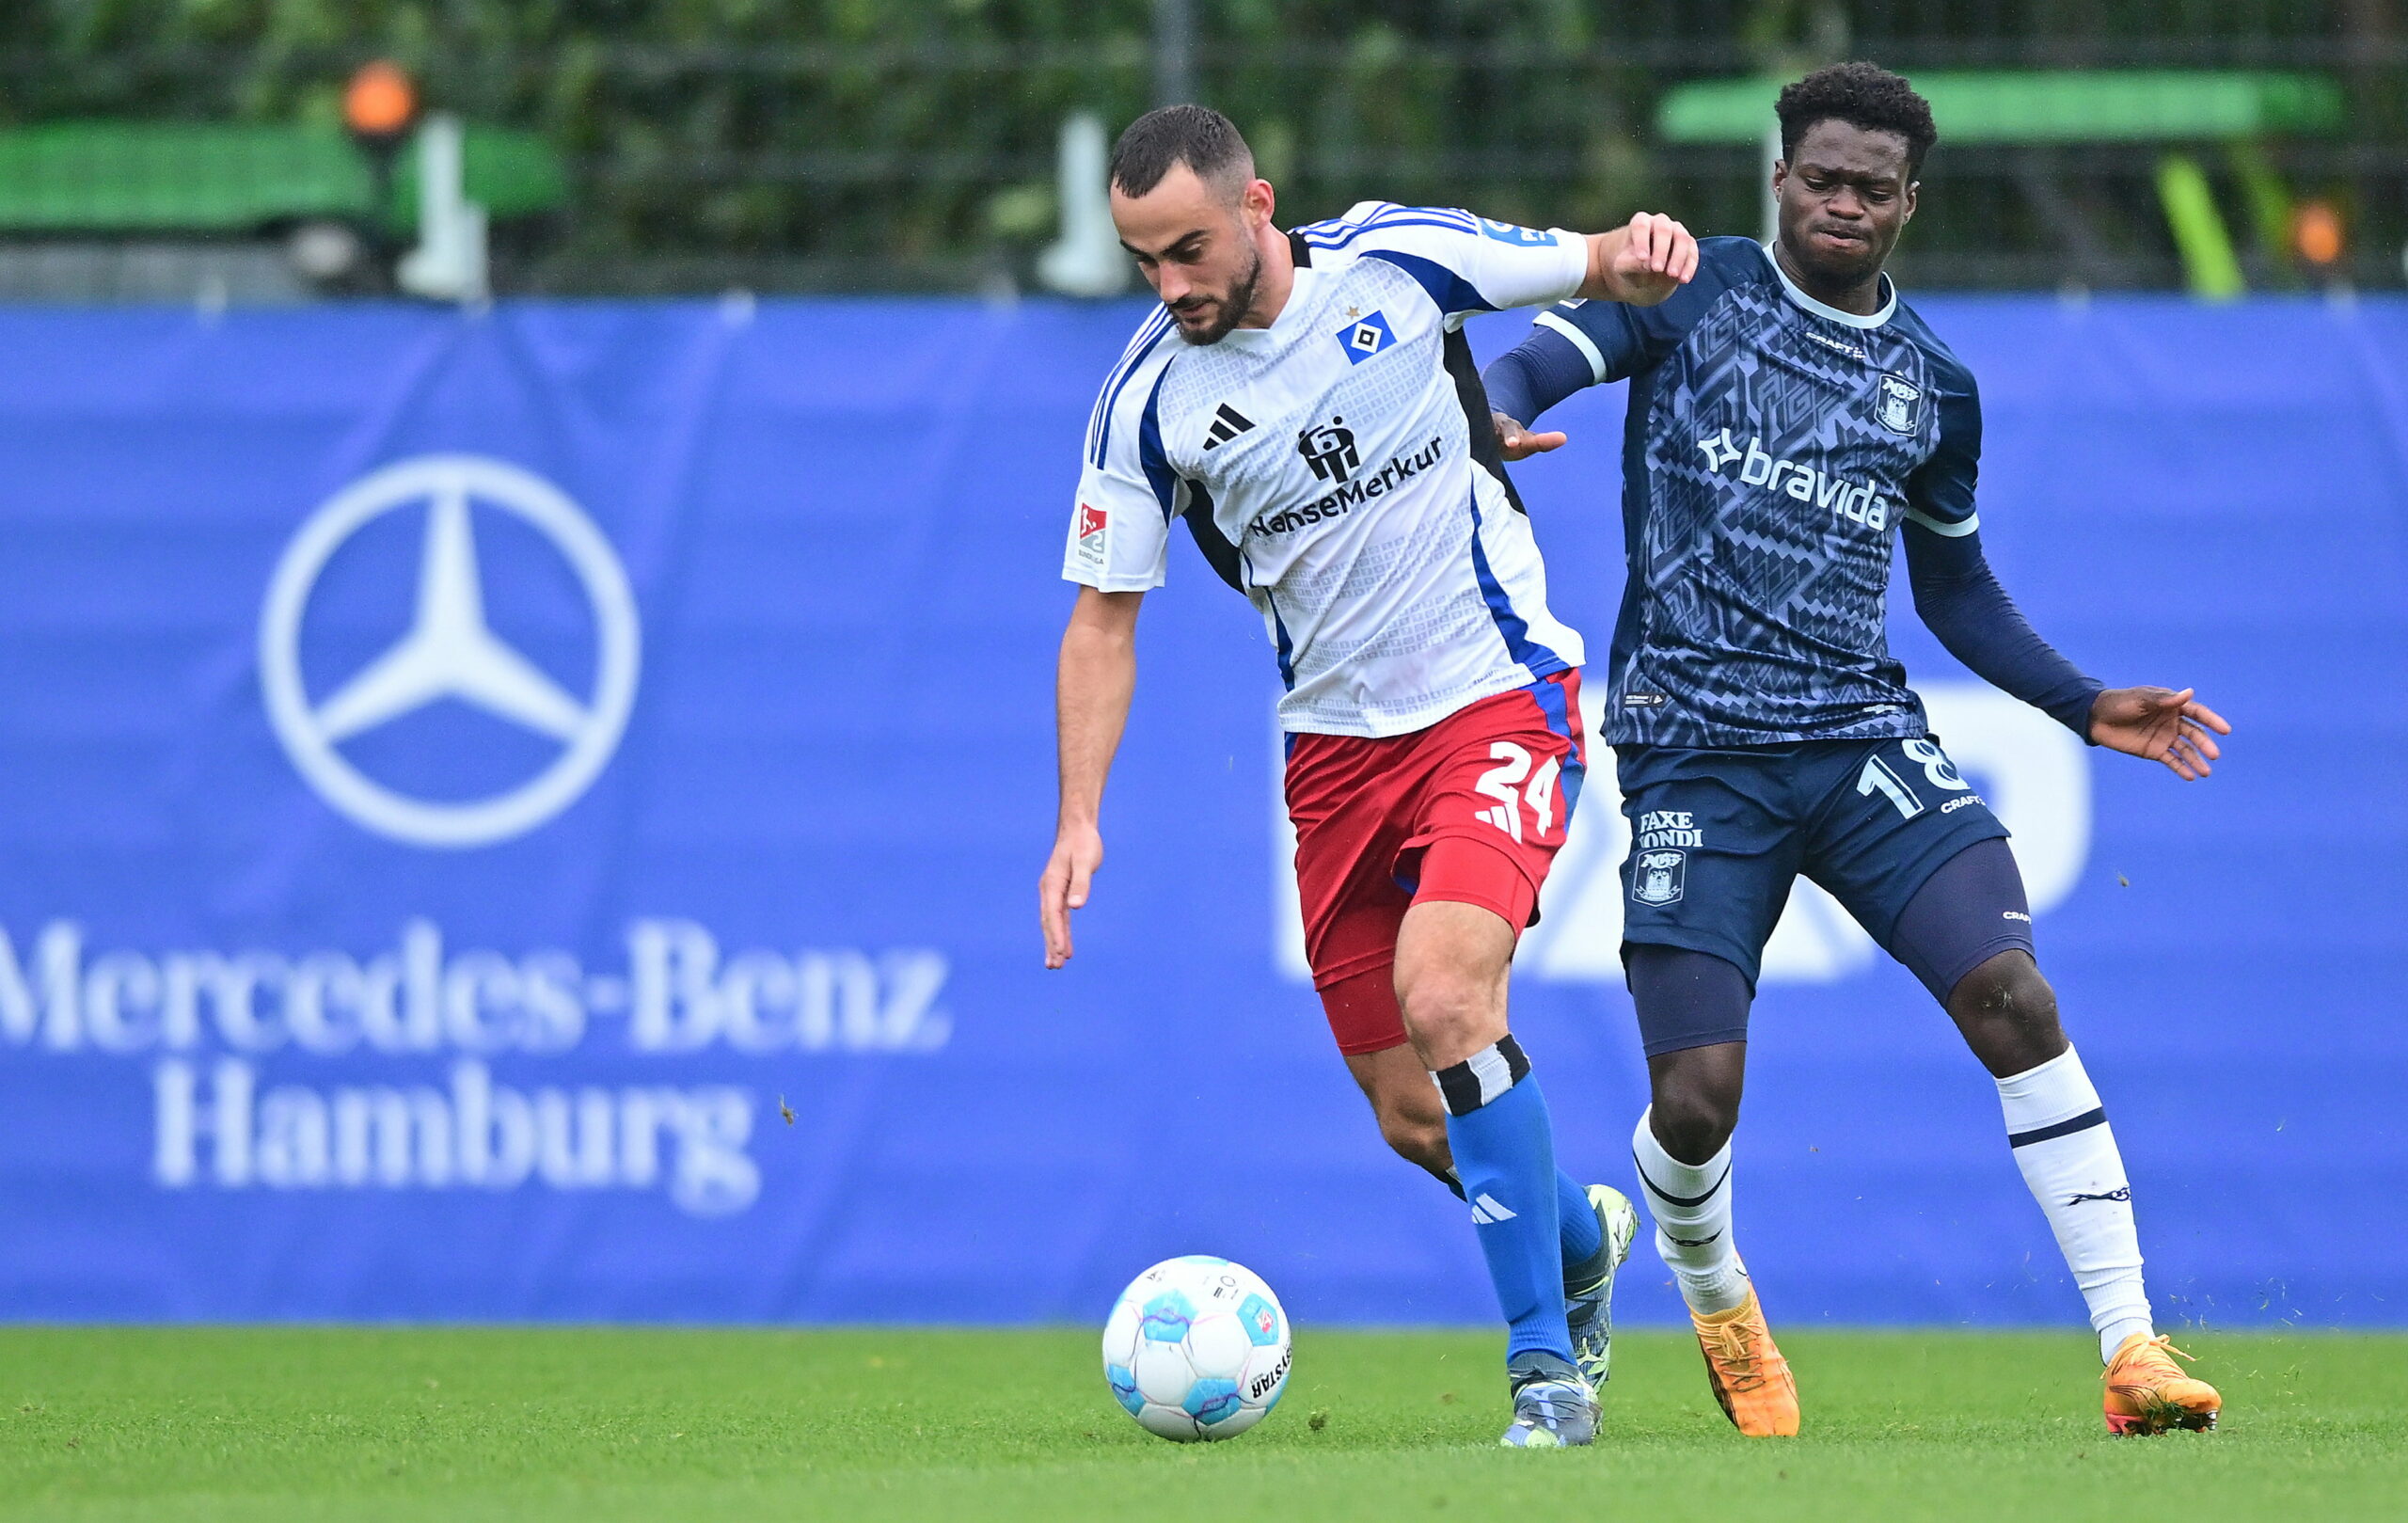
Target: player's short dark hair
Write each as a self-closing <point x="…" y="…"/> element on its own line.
<point x="1863" y="95"/>
<point x="1198" y="136"/>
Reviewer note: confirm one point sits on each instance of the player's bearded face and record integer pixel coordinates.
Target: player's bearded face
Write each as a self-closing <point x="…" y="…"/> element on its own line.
<point x="1199" y="246"/>
<point x="1207" y="316"/>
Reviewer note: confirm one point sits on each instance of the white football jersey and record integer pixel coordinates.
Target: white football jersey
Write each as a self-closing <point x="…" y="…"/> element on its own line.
<point x="1329" y="460"/>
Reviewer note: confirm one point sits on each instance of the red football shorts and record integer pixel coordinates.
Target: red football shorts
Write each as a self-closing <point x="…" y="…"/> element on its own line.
<point x="1471" y="810"/>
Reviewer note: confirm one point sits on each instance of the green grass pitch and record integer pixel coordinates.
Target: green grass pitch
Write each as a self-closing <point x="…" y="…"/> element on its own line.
<point x="728" y="1426"/>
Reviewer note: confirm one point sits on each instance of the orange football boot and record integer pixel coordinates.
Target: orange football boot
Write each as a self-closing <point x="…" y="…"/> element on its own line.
<point x="1750" y="1378"/>
<point x="2148" y="1393"/>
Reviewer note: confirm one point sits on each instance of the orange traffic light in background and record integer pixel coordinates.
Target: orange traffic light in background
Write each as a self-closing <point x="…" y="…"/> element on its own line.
<point x="380" y="102"/>
<point x="2316" y="233"/>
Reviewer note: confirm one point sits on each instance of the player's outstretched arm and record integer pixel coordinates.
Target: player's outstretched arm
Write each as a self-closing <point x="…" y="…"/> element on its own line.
<point x="1642" y="263"/>
<point x="2161" y="726"/>
<point x="1637" y="265"/>
<point x="1097" y="674"/>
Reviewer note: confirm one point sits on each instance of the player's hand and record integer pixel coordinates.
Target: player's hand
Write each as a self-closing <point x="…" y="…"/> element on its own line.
<point x="1656" y="257"/>
<point x="1519" y="443"/>
<point x="1078" y="851"/>
<point x="2161" y="726"/>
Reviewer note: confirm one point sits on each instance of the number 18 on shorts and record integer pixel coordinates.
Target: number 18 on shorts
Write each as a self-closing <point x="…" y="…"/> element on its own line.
<point x="1717" y="837"/>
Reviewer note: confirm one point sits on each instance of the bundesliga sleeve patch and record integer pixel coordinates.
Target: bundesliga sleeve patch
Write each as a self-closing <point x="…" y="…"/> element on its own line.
<point x="1364" y="337"/>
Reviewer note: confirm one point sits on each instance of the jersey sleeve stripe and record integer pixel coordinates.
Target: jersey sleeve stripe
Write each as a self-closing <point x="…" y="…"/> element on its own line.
<point x="1941" y="526"/>
<point x="1390" y="209"/>
<point x="1336" y="232"/>
<point x="1338" y="236"/>
<point x="1150" y="454"/>
<point x="1450" y="291"/>
<point x="1580" y="341"/>
<point x="1099" y="420"/>
<point x="1099" y="428"/>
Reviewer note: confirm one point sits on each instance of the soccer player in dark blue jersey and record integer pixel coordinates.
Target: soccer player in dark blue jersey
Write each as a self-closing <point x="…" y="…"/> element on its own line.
<point x="1787" y="415"/>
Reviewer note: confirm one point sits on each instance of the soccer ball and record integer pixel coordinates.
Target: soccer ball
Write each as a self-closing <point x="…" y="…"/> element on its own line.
<point x="1196" y="1348"/>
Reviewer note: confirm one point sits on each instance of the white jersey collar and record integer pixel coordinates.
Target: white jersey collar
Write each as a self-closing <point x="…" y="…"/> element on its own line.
<point x="1291" y="318"/>
<point x="1825" y="309"/>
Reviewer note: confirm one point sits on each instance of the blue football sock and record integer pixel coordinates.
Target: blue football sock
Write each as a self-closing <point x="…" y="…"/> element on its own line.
<point x="1582" y="1237"/>
<point x="1504" y="1147"/>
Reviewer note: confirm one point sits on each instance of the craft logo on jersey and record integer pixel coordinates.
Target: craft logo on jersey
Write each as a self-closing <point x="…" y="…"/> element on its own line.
<point x="1659" y="877"/>
<point x="1329" y="449"/>
<point x="1901" y="406"/>
<point x="1364" y="337"/>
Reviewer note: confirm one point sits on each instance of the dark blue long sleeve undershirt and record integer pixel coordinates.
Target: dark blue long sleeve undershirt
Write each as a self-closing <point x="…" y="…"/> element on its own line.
<point x="1527" y="381"/>
<point x="1957" y="594"/>
<point x="1959" y="598"/>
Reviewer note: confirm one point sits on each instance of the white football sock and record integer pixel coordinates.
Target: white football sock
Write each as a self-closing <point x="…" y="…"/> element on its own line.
<point x="1691" y="1205"/>
<point x="2067" y="1153"/>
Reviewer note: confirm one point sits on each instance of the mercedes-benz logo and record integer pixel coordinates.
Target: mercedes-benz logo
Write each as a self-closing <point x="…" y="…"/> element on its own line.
<point x="449" y="652"/>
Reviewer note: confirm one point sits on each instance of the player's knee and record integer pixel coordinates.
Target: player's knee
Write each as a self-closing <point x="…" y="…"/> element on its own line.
<point x="1691" y="1130"/>
<point x="2008" y="1012"/>
<point x="1449" y="1014"/>
<point x="2007" y="989"/>
<point x="1695" y="1111"/>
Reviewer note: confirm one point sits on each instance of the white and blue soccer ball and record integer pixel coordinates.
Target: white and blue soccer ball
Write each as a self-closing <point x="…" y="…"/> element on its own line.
<point x="1196" y="1348"/>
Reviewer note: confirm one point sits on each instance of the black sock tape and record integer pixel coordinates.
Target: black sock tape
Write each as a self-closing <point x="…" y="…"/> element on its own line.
<point x="1481" y="1077"/>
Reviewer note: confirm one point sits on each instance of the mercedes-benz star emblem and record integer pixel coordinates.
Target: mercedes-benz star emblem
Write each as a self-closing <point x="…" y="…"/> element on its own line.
<point x="449" y="652"/>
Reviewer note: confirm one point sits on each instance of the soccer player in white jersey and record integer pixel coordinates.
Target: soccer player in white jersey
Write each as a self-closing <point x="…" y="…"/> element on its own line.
<point x="1307" y="401"/>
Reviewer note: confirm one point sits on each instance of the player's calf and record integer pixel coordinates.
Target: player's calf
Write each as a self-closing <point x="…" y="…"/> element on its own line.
<point x="1413" y="1122"/>
<point x="1406" y="1105"/>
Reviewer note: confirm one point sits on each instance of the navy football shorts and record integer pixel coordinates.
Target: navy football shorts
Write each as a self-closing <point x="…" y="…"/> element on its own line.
<point x="1717" y="837"/>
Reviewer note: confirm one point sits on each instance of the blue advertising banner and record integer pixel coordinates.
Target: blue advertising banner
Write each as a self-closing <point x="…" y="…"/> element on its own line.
<point x="534" y="814"/>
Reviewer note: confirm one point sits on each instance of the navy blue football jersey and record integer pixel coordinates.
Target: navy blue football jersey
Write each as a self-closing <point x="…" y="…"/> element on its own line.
<point x="1772" y="447"/>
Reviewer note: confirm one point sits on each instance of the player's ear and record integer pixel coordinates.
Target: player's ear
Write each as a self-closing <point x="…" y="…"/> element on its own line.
<point x="1259" y="201"/>
<point x="1907" y="203"/>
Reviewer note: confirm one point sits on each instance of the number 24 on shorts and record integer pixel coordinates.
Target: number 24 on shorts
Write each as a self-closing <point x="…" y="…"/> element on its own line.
<point x="1505" y="783"/>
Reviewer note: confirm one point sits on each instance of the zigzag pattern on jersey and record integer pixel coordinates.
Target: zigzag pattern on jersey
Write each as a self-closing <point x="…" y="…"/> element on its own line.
<point x="1762" y="615"/>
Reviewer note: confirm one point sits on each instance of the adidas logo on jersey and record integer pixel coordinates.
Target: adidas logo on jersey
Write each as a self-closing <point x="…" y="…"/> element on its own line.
<point x="1227" y="424"/>
<point x="1857" y="503"/>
